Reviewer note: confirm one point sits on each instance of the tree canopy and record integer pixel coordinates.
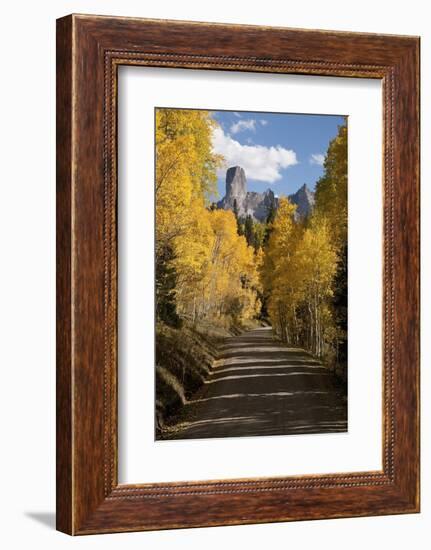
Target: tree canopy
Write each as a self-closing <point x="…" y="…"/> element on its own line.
<point x="199" y="248"/>
<point x="213" y="265"/>
<point x="304" y="271"/>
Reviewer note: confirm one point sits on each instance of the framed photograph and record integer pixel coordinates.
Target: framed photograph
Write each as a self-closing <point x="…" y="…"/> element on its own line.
<point x="237" y="274"/>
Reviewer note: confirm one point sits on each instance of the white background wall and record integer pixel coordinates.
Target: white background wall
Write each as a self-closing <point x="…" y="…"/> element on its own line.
<point x="27" y="298"/>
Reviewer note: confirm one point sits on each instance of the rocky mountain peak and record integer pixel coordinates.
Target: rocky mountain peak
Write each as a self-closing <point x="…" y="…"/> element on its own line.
<point x="256" y="204"/>
<point x="304" y="199"/>
<point x="236" y="184"/>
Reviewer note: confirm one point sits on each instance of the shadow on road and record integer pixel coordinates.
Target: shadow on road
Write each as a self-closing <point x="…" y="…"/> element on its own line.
<point x="261" y="387"/>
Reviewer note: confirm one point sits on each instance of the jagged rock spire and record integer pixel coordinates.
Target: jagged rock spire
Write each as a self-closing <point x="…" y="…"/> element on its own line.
<point x="304" y="199"/>
<point x="256" y="204"/>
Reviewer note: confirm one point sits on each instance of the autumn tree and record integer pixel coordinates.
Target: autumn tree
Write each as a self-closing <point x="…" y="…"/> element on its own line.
<point x="298" y="273"/>
<point x="331" y="189"/>
<point x="204" y="266"/>
<point x="185" y="178"/>
<point x="331" y="203"/>
<point x="277" y="272"/>
<point x="304" y="269"/>
<point x="316" y="262"/>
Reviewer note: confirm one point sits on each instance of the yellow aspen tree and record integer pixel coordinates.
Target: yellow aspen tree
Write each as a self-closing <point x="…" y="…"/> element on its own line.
<point x="316" y="260"/>
<point x="212" y="272"/>
<point x="331" y="189"/>
<point x="278" y="270"/>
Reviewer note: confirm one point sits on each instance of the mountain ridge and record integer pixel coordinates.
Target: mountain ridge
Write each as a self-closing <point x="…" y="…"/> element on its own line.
<point x="258" y="205"/>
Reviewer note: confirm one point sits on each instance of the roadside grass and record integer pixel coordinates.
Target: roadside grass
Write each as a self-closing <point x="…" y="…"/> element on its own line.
<point x="184" y="358"/>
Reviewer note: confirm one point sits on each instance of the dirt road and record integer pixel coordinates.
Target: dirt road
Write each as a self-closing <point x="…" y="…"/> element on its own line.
<point x="261" y="387"/>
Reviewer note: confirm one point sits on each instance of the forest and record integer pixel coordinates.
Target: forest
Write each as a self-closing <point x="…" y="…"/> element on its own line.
<point x="217" y="273"/>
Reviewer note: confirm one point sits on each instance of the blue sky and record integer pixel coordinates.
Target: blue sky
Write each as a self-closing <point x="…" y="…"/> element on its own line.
<point x="279" y="151"/>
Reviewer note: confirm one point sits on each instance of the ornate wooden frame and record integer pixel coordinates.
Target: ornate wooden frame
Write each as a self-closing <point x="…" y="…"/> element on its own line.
<point x="89" y="51"/>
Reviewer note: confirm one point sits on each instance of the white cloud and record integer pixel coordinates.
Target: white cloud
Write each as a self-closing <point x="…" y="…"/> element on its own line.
<point x="317" y="158"/>
<point x="263" y="121"/>
<point x="238" y="115"/>
<point x="259" y="162"/>
<point x="244" y="124"/>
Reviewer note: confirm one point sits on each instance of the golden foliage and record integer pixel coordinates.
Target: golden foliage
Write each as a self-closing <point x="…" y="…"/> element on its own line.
<point x="302" y="260"/>
<point x="208" y="271"/>
<point x="331" y="189"/>
<point x="215" y="270"/>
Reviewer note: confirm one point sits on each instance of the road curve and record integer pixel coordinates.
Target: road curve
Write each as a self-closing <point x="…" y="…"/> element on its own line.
<point x="261" y="387"/>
